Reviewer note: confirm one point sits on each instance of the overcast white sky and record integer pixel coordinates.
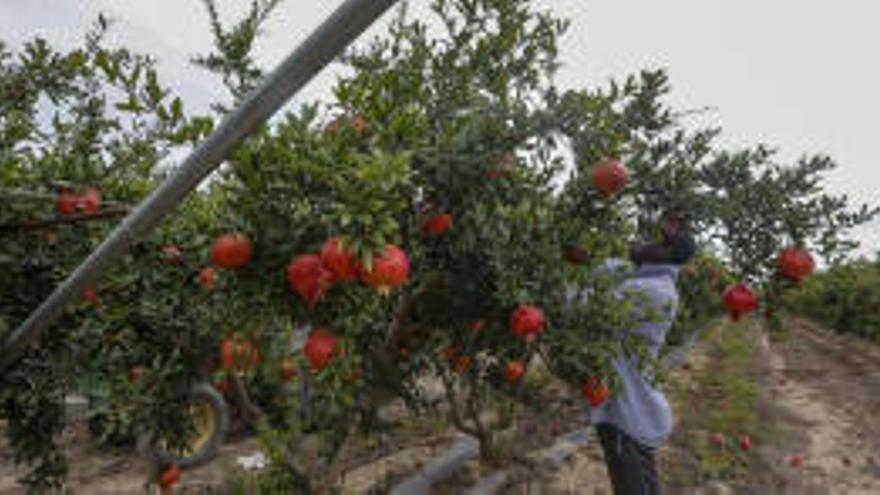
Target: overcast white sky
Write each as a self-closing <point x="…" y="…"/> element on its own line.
<point x="802" y="76"/>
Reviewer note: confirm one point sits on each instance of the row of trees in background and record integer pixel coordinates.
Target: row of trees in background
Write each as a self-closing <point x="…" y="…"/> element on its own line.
<point x="846" y="298"/>
<point x="420" y="224"/>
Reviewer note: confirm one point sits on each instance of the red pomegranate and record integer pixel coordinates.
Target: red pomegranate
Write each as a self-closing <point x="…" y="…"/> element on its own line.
<point x="389" y="271"/>
<point x="527" y="322"/>
<point x="309" y="278"/>
<point x="795" y="264"/>
<point x="288" y="369"/>
<point x="170" y="476"/>
<point x="739" y="300"/>
<point x="319" y="348"/>
<point x="232" y="251"/>
<point x="610" y="177"/>
<point x="514" y="371"/>
<point x="238" y="355"/>
<point x="66" y="202"/>
<point x="208" y="277"/>
<point x="90" y="202"/>
<point x="90" y="295"/>
<point x="339" y="260"/>
<point x="437" y="225"/>
<point x="501" y="166"/>
<point x="477" y="327"/>
<point x="746" y="443"/>
<point x="595" y="391"/>
<point x="575" y="254"/>
<point x="172" y="254"/>
<point x="449" y="352"/>
<point x="359" y="124"/>
<point x="463" y="363"/>
<point x="134" y="375"/>
<point x="225" y="387"/>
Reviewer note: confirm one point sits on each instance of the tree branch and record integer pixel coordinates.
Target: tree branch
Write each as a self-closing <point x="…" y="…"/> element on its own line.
<point x="69" y="219"/>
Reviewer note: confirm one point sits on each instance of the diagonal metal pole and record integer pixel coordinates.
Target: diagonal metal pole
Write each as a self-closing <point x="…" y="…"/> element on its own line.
<point x="325" y="43"/>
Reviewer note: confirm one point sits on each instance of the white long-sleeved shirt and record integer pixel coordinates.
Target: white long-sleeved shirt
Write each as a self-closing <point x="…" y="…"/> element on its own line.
<point x="640" y="409"/>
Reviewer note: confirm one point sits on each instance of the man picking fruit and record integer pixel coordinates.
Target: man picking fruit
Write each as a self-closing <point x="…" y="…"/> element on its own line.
<point x="633" y="423"/>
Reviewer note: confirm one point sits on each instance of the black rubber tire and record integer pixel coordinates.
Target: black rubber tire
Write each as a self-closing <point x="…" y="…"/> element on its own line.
<point x="206" y="393"/>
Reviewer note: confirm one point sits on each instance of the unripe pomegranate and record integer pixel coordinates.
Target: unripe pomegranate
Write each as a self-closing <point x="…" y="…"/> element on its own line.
<point x="514" y="371"/>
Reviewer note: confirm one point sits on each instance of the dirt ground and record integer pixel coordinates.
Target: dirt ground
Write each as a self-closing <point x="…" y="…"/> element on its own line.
<point x="830" y="386"/>
<point x="819" y="397"/>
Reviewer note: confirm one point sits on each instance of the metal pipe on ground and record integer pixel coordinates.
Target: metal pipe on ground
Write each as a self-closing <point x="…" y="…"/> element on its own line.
<point x="345" y="24"/>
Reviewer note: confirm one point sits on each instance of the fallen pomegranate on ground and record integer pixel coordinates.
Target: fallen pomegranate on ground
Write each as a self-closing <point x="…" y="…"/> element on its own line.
<point x="170" y="476"/>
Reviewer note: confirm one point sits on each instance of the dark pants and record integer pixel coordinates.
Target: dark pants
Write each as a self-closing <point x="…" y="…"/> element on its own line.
<point x="632" y="466"/>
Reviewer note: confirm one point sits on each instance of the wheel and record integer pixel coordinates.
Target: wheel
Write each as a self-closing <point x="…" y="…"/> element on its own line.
<point x="210" y="415"/>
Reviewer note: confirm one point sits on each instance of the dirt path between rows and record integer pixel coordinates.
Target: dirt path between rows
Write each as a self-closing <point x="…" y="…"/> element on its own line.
<point x="828" y="387"/>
